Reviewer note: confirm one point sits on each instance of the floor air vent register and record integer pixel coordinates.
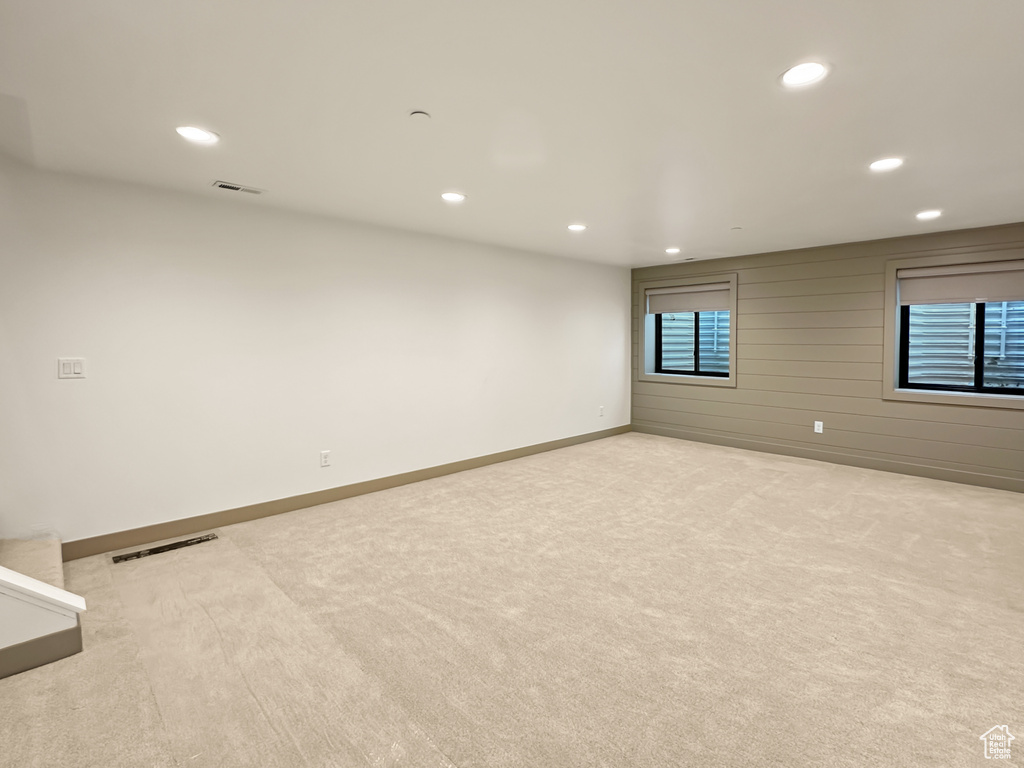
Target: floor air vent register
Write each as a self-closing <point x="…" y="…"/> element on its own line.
<point x="164" y="548"/>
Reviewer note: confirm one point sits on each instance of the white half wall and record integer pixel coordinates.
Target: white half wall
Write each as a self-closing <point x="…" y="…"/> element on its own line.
<point x="21" y="621"/>
<point x="30" y="608"/>
<point x="227" y="344"/>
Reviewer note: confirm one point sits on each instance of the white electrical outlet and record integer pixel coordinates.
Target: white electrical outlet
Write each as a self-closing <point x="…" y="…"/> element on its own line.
<point x="325" y="458"/>
<point x="600" y="410"/>
<point x="819" y="427"/>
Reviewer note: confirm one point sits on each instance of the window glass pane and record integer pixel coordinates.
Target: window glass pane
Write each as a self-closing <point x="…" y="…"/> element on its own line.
<point x="941" y="345"/>
<point x="714" y="341"/>
<point x="677" y="341"/>
<point x="1004" y="345"/>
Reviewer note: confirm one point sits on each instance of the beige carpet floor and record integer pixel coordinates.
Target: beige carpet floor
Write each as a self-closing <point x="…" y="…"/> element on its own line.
<point x="38" y="558"/>
<point x="635" y="601"/>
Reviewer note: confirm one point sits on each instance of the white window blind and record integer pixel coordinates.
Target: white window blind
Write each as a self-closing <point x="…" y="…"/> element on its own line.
<point x="688" y="298"/>
<point x="962" y="283"/>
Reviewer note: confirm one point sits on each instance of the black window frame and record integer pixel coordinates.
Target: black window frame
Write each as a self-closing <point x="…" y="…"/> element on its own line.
<point x="659" y="368"/>
<point x="979" y="358"/>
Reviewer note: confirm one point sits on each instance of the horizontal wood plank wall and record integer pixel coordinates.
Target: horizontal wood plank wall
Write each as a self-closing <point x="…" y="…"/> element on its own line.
<point x="809" y="334"/>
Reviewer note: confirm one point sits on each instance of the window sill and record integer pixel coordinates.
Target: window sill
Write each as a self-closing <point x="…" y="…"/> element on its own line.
<point x="682" y="378"/>
<point x="981" y="399"/>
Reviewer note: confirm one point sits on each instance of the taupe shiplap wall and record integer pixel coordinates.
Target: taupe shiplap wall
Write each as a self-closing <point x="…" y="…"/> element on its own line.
<point x="809" y="330"/>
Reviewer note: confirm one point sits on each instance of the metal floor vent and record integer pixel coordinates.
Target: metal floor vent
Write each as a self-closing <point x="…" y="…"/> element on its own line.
<point x="237" y="187"/>
<point x="165" y="548"/>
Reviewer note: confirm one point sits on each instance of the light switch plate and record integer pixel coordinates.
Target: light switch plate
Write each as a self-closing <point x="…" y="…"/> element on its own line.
<point x="70" y="367"/>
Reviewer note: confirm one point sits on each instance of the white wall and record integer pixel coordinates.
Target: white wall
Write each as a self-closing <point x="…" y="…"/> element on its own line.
<point x="227" y="344"/>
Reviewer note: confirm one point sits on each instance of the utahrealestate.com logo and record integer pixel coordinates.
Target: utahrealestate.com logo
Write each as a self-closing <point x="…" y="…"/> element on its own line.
<point x="997" y="742"/>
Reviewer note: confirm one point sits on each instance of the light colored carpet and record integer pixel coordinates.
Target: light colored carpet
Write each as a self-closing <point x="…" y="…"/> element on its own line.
<point x="38" y="558"/>
<point x="636" y="601"/>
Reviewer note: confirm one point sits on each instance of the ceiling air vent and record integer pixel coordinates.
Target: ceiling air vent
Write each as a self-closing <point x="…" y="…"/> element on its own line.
<point x="237" y="187"/>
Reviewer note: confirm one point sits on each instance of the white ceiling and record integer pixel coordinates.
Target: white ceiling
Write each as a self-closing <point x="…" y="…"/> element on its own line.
<point x="656" y="122"/>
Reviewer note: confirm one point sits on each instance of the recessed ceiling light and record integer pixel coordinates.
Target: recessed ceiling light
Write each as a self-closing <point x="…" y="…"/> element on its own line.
<point x="453" y="197"/>
<point x="926" y="215"/>
<point x="197" y="135"/>
<point x="671" y="250"/>
<point x="886" y="164"/>
<point x="804" y="74"/>
<point x="419" y="114"/>
<point x="577" y="227"/>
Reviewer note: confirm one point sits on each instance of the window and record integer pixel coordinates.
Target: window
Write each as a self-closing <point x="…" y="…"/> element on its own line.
<point x="960" y="331"/>
<point x="686" y="330"/>
<point x="692" y="343"/>
<point x="965" y="347"/>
